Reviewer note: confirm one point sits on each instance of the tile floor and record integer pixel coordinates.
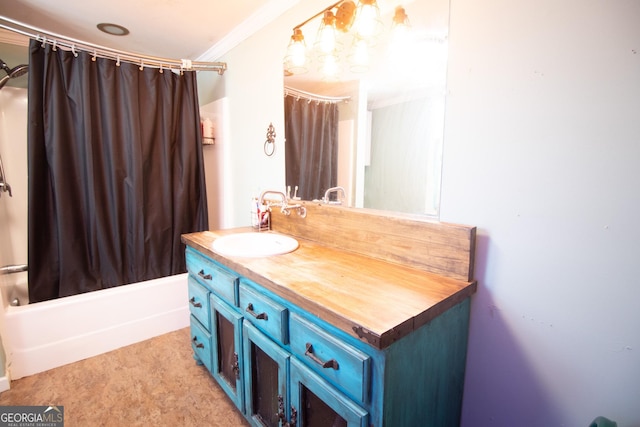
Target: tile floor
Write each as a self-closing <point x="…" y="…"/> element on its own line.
<point x="151" y="383"/>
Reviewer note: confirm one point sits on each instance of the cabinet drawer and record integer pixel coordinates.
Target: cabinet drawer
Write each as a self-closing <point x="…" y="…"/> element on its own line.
<point x="341" y="364"/>
<point x="266" y="314"/>
<point x="199" y="302"/>
<point x="201" y="343"/>
<point x="207" y="272"/>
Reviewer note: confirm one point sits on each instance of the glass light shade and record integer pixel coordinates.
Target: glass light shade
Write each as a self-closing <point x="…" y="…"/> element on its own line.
<point x="400" y="27"/>
<point x="296" y="58"/>
<point x="359" y="58"/>
<point x="367" y="20"/>
<point x="326" y="39"/>
<point x="330" y="67"/>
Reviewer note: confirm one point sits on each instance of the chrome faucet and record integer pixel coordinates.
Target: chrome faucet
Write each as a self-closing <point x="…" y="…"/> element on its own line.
<point x="285" y="207"/>
<point x="337" y="190"/>
<point x="278" y="193"/>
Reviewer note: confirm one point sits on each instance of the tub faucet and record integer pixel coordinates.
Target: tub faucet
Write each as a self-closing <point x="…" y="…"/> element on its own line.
<point x="339" y="199"/>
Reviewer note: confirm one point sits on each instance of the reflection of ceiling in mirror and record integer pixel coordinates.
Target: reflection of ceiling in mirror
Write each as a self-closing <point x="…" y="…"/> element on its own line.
<point x="418" y="66"/>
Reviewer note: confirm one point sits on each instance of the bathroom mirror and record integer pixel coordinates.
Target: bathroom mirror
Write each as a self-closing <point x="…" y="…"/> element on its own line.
<point x="391" y="129"/>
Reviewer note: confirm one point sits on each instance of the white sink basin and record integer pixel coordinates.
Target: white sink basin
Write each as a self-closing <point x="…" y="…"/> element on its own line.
<point x="254" y="244"/>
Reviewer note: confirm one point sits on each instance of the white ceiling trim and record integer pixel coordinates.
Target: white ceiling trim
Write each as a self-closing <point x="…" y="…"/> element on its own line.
<point x="248" y="27"/>
<point x="14" y="38"/>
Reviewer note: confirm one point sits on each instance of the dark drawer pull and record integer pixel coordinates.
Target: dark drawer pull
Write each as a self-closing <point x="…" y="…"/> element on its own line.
<point x="333" y="363"/>
<point x="204" y="276"/>
<point x="198" y="345"/>
<point x="259" y="316"/>
<point x="194" y="303"/>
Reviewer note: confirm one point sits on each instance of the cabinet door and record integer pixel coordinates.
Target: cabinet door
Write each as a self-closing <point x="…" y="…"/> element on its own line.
<point x="318" y="404"/>
<point x="226" y="336"/>
<point x="266" y="368"/>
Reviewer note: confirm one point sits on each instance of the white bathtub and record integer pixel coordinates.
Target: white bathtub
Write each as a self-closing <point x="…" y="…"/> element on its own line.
<point x="49" y="334"/>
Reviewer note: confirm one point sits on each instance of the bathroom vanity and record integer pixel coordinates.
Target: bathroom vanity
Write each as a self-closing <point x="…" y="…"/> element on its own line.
<point x="359" y="326"/>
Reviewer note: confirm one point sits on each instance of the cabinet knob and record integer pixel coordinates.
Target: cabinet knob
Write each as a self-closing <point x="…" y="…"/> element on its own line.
<point x="194" y="303"/>
<point x="198" y="345"/>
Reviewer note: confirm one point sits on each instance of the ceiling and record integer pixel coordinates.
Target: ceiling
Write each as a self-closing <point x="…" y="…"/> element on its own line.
<point x="200" y="30"/>
<point x="176" y="29"/>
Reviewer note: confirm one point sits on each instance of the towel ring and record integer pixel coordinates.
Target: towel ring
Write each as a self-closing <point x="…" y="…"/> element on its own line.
<point x="270" y="143"/>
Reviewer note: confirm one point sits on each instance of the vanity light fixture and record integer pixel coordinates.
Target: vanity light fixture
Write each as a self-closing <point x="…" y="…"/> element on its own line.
<point x="362" y="22"/>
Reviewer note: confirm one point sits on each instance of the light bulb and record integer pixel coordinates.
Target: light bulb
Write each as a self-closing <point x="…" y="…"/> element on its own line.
<point x="327" y="33"/>
<point x="360" y="56"/>
<point x="330" y="66"/>
<point x="400" y="28"/>
<point x="296" y="53"/>
<point x="367" y="19"/>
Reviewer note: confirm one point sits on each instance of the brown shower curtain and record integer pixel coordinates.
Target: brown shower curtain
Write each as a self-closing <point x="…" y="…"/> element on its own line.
<point x="115" y="172"/>
<point x="311" y="141"/>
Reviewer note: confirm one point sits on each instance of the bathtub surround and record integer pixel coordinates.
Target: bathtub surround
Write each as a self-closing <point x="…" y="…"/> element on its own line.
<point x="116" y="172"/>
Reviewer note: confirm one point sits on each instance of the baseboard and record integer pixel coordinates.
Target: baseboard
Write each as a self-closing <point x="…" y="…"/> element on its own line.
<point x="4" y="384"/>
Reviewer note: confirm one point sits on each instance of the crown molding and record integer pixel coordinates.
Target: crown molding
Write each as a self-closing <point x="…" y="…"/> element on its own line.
<point x="13" y="38"/>
<point x="262" y="17"/>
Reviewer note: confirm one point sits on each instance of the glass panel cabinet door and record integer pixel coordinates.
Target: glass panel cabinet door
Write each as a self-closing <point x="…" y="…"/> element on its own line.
<point x="266" y="366"/>
<point x="318" y="404"/>
<point x="226" y="331"/>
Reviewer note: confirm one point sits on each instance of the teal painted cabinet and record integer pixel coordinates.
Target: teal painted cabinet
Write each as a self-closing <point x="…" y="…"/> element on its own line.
<point x="283" y="366"/>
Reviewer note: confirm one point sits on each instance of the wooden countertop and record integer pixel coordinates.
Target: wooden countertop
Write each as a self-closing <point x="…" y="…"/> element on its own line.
<point x="375" y="301"/>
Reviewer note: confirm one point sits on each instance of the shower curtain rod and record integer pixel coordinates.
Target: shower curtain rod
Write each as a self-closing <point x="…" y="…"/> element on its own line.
<point x="70" y="44"/>
<point x="289" y="91"/>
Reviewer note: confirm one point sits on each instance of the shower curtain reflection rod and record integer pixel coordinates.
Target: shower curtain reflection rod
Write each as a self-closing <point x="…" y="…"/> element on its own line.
<point x="289" y="91"/>
<point x="70" y="44"/>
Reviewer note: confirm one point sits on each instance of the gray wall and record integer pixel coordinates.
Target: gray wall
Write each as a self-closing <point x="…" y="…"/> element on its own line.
<point x="541" y="152"/>
<point x="541" y="148"/>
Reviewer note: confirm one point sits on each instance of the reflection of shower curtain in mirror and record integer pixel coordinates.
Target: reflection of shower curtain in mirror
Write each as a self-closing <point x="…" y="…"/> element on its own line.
<point x="115" y="172"/>
<point x="311" y="141"/>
